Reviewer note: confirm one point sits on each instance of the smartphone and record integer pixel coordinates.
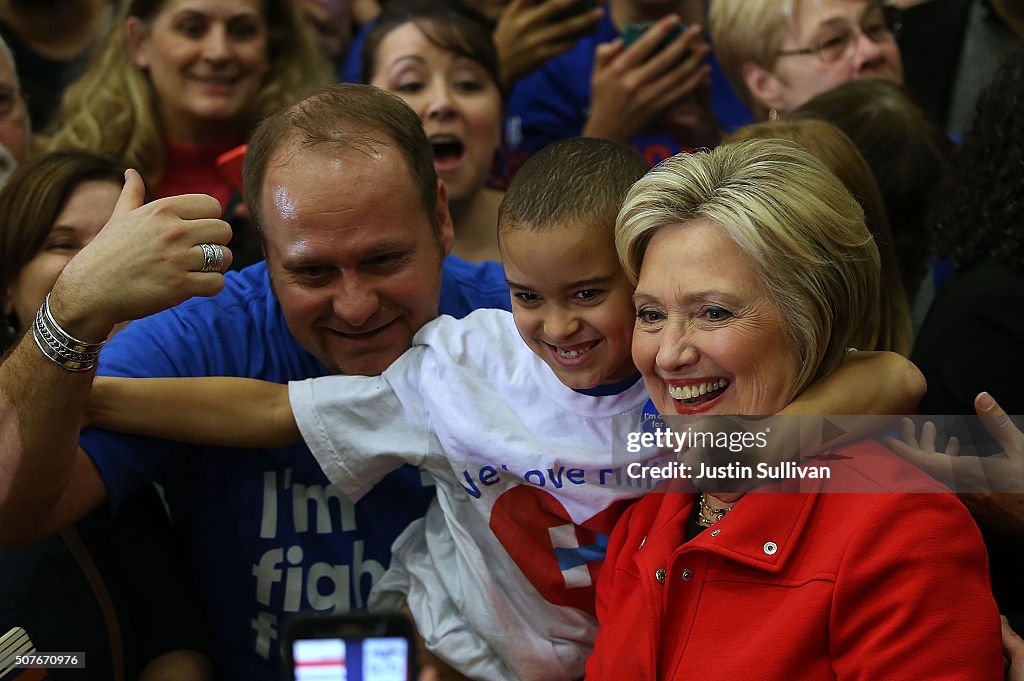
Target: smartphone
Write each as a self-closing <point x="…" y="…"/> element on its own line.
<point x="632" y="32"/>
<point x="575" y="9"/>
<point x="230" y="165"/>
<point x="356" y="647"/>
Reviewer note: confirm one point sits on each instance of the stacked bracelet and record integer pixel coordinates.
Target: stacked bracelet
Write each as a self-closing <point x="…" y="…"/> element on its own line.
<point x="59" y="346"/>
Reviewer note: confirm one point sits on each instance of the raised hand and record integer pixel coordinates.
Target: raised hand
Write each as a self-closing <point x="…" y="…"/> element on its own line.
<point x="636" y="87"/>
<point x="1002" y="472"/>
<point x="991" y="486"/>
<point x="147" y="258"/>
<point x="531" y="32"/>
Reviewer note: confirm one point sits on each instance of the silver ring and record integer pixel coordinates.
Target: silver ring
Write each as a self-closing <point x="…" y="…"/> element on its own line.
<point x="213" y="257"/>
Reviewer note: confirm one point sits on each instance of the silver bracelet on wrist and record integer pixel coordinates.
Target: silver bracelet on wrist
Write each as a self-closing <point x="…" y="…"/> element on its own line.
<point x="60" y="347"/>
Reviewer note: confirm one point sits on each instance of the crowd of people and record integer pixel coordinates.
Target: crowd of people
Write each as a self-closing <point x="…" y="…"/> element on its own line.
<point x="415" y="334"/>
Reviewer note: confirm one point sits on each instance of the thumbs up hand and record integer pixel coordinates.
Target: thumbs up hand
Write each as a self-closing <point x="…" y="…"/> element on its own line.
<point x="147" y="258"/>
<point x="133" y="194"/>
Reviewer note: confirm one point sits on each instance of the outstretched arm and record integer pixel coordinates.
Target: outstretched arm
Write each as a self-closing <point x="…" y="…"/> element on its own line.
<point x="867" y="389"/>
<point x="869" y="383"/>
<point x="223" y="412"/>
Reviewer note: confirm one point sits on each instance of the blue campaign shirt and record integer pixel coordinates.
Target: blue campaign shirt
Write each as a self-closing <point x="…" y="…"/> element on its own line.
<point x="265" y="535"/>
<point x="553" y="102"/>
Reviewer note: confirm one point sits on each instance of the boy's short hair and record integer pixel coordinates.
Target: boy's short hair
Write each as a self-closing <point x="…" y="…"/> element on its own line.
<point x="579" y="181"/>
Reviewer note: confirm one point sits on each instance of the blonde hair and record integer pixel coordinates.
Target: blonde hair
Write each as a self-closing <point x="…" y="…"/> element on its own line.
<point x="745" y="31"/>
<point x="891" y="329"/>
<point x="110" y="109"/>
<point x="803" y="230"/>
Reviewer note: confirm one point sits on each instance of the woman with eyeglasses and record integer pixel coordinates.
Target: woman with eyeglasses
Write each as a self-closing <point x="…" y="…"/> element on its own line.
<point x="780" y="53"/>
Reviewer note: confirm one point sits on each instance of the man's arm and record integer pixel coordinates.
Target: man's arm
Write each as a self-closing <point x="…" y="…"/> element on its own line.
<point x="40" y="460"/>
<point x="867" y="389"/>
<point x="222" y="412"/>
<point x="145" y="259"/>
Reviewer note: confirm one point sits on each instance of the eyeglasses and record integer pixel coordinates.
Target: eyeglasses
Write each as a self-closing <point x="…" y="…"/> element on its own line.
<point x="882" y="27"/>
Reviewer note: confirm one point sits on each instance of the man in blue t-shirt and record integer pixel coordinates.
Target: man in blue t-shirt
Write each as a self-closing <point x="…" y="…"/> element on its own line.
<point x="356" y="228"/>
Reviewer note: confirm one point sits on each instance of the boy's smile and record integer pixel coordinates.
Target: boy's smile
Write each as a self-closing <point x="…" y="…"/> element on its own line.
<point x="571" y="302"/>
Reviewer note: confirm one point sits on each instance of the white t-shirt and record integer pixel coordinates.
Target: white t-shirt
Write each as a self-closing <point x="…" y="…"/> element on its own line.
<point x="530" y="478"/>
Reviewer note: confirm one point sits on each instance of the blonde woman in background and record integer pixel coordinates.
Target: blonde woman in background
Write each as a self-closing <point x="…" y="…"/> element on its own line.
<point x="176" y="83"/>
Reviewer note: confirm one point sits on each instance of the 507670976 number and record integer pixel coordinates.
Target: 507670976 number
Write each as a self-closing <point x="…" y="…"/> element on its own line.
<point x="52" y="660"/>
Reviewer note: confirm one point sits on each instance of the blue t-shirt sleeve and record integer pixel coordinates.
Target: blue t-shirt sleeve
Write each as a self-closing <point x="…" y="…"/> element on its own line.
<point x="732" y="113"/>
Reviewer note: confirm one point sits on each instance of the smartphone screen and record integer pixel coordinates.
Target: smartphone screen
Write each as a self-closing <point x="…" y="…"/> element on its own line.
<point x="632" y="32"/>
<point x="353" y="648"/>
<point x="383" y="658"/>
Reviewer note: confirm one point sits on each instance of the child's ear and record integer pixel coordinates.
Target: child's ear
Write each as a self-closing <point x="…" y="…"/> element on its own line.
<point x="766" y="87"/>
<point x="445" y="226"/>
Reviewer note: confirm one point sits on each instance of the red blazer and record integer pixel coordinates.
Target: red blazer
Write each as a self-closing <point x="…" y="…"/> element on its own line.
<point x="876" y="585"/>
